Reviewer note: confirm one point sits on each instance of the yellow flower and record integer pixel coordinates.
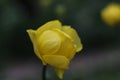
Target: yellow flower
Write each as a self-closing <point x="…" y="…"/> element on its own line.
<point x="55" y="45"/>
<point x="111" y="14"/>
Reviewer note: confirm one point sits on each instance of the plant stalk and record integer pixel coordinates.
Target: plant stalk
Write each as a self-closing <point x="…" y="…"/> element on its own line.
<point x="44" y="72"/>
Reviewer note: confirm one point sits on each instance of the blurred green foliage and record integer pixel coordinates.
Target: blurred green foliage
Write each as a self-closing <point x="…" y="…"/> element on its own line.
<point x="84" y="15"/>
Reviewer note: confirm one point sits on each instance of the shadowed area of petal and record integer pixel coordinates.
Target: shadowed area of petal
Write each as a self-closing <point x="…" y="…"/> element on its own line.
<point x="59" y="72"/>
<point x="73" y="34"/>
<point x="49" y="25"/>
<point x="32" y="35"/>
<point x="67" y="48"/>
<point x="56" y="61"/>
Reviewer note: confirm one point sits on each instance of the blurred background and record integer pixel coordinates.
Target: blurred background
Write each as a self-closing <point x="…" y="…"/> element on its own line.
<point x="99" y="60"/>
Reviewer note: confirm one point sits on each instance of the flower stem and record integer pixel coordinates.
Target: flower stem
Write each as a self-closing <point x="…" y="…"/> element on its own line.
<point x="44" y="72"/>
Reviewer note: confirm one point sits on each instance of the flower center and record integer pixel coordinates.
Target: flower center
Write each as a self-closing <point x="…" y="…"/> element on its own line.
<point x="49" y="42"/>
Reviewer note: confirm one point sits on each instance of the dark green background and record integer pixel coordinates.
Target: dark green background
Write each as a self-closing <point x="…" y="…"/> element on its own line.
<point x="99" y="60"/>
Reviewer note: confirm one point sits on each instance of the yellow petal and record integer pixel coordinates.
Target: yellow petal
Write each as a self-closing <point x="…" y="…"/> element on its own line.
<point x="49" y="42"/>
<point x="67" y="48"/>
<point x="48" y="26"/>
<point x="59" y="72"/>
<point x="57" y="61"/>
<point x="32" y="35"/>
<point x="73" y="34"/>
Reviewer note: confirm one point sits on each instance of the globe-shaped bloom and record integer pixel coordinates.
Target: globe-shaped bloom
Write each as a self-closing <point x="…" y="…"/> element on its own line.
<point x="111" y="14"/>
<point x="55" y="45"/>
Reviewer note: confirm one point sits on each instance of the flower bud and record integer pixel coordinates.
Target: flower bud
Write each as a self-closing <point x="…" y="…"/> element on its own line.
<point x="55" y="45"/>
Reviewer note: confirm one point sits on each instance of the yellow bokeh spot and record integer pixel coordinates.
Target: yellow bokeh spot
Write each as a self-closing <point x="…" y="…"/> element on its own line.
<point x="111" y="14"/>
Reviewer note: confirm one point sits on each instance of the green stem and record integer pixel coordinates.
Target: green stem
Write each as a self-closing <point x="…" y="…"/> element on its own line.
<point x="44" y="72"/>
